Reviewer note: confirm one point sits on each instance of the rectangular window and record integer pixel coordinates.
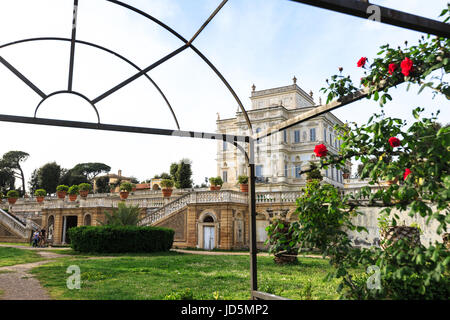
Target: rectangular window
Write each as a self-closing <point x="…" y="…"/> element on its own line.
<point x="297" y="171"/>
<point x="325" y="134"/>
<point x="259" y="171"/>
<point x="297" y="136"/>
<point x="284" y="135"/>
<point x="312" y="134"/>
<point x="225" y="176"/>
<point x="286" y="173"/>
<point x="326" y="173"/>
<point x="224" y="146"/>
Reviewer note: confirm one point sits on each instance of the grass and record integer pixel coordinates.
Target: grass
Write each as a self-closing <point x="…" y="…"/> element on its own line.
<point x="154" y="276"/>
<point x="25" y="244"/>
<point x="13" y="256"/>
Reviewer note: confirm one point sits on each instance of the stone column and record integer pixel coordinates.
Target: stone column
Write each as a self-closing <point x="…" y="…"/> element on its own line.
<point x="281" y="162"/>
<point x="80" y="216"/>
<point x="191" y="228"/>
<point x="226" y="229"/>
<point x="57" y="230"/>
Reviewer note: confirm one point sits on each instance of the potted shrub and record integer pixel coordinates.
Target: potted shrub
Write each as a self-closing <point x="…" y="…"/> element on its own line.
<point x="280" y="239"/>
<point x="243" y="183"/>
<point x="167" y="185"/>
<point x="12" y="196"/>
<point x="40" y="194"/>
<point x="125" y="189"/>
<point x="314" y="174"/>
<point x="212" y="182"/>
<point x="84" y="189"/>
<point x="345" y="173"/>
<point x="61" y="191"/>
<point x="216" y="183"/>
<point x="73" y="192"/>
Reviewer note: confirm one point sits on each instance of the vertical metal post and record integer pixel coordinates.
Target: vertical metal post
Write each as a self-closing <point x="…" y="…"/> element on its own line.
<point x="252" y="224"/>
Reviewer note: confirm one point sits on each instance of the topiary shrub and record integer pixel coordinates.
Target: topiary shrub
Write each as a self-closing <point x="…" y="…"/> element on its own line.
<point x="120" y="239"/>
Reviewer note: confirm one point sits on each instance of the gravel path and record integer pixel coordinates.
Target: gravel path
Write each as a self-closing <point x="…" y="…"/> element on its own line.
<point x="17" y="283"/>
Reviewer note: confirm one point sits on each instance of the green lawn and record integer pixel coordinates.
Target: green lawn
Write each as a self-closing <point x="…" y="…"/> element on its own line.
<point x="13" y="256"/>
<point x="25" y="244"/>
<point x="153" y="276"/>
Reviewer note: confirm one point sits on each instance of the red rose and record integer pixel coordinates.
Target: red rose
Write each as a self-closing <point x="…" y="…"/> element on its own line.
<point x="394" y="142"/>
<point x="362" y="62"/>
<point x="406" y="174"/>
<point x="320" y="150"/>
<point x="407" y="66"/>
<point x="392" y="68"/>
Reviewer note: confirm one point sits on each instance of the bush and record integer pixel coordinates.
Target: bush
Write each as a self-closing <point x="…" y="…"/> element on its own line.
<point x="167" y="183"/>
<point x="73" y="190"/>
<point x="216" y="181"/>
<point x="126" y="186"/>
<point x="120" y="239"/>
<point x="62" y="187"/>
<point x="40" y="193"/>
<point x="242" y="179"/>
<point x="84" y="187"/>
<point x="12" y="194"/>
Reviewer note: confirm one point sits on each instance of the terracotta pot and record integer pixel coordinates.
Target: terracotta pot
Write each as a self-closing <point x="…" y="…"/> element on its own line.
<point x="84" y="193"/>
<point x="346" y="175"/>
<point x="244" y="187"/>
<point x="167" y="192"/>
<point x="391" y="182"/>
<point x="218" y="188"/>
<point x="133" y="189"/>
<point x="212" y="188"/>
<point x="61" y="194"/>
<point x="124" y="194"/>
<point x="73" y="197"/>
<point x="40" y="199"/>
<point x="12" y="200"/>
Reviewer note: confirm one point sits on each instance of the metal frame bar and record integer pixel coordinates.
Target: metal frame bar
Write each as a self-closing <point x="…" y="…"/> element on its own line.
<point x="176" y="34"/>
<point x="356" y="8"/>
<point x="104" y="49"/>
<point x="363" y="9"/>
<point x="317" y="111"/>
<point x="22" y="77"/>
<point x="72" y="44"/>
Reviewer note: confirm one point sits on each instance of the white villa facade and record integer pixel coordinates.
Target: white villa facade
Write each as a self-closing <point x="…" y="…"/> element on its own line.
<point x="279" y="158"/>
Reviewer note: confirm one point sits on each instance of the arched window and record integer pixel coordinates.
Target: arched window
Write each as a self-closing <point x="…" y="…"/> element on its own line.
<point x="87" y="220"/>
<point x="208" y="218"/>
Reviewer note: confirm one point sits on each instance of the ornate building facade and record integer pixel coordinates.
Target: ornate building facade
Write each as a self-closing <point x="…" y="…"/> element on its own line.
<point x="279" y="158"/>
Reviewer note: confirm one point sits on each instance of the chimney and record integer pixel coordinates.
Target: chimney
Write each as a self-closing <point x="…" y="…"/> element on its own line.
<point x="119" y="173"/>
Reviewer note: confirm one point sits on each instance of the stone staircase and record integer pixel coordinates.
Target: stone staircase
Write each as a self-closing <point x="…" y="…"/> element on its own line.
<point x="12" y="229"/>
<point x="225" y="196"/>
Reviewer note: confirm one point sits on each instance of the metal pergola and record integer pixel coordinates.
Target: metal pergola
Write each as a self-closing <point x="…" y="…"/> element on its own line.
<point x="352" y="7"/>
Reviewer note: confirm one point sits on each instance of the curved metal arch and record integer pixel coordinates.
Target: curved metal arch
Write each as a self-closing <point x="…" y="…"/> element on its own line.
<point x="104" y="49"/>
<point x="71" y="92"/>
<point x="176" y="34"/>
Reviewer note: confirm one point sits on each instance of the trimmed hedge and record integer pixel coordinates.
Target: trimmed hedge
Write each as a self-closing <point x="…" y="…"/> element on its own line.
<point x="120" y="239"/>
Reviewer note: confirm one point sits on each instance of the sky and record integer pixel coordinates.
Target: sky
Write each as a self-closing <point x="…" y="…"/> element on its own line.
<point x="261" y="42"/>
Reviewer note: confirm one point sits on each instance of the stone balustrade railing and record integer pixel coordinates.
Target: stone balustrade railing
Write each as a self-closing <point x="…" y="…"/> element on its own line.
<point x="13" y="224"/>
<point x="218" y="197"/>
